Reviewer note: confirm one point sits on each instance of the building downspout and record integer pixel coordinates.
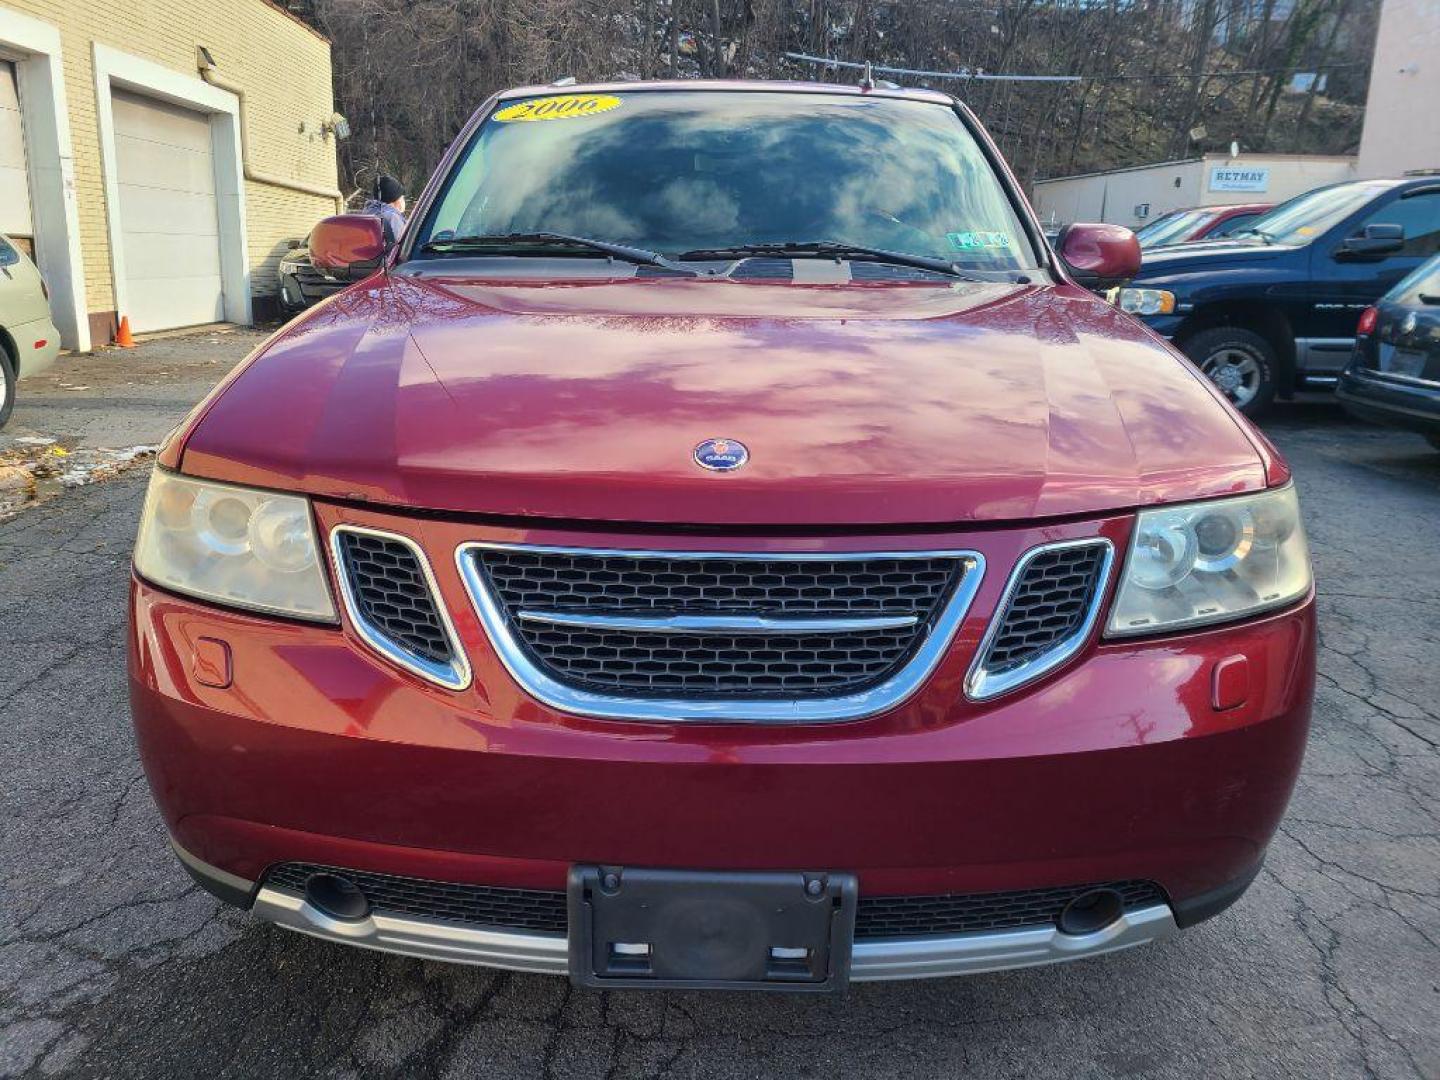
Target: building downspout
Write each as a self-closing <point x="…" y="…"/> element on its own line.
<point x="211" y="76"/>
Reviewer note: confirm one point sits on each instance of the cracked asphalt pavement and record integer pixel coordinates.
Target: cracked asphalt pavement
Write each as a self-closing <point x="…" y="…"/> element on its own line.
<point x="113" y="964"/>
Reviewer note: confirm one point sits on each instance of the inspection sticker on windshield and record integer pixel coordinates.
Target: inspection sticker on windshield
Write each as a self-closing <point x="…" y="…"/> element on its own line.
<point x="563" y="107"/>
<point x="977" y="241"/>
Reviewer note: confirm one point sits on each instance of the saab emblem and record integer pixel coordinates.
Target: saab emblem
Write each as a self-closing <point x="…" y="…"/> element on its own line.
<point x="721" y="455"/>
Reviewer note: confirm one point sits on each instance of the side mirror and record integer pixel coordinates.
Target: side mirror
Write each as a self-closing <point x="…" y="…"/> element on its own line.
<point x="348" y="246"/>
<point x="1099" y="256"/>
<point x="1376" y="242"/>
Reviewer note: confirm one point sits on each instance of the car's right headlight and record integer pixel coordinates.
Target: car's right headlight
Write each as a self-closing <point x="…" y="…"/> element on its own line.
<point x="1143" y="301"/>
<point x="233" y="545"/>
<point x="1211" y="562"/>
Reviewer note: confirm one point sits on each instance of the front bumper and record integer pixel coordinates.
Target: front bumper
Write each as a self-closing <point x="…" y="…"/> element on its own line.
<point x="921" y="957"/>
<point x="33" y="355"/>
<point x="1115" y="767"/>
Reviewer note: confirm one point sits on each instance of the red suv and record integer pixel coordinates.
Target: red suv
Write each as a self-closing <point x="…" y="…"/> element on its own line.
<point x="1200" y="223"/>
<point x="721" y="545"/>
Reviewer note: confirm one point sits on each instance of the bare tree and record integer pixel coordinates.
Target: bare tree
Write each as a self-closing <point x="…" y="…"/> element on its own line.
<point x="409" y="72"/>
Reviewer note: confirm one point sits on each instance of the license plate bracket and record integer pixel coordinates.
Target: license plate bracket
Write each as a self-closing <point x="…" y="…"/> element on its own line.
<point x="1406" y="362"/>
<point x="693" y="929"/>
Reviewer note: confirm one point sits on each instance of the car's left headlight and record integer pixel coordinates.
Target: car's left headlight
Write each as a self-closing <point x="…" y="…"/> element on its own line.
<point x="1210" y="562"/>
<point x="1143" y="301"/>
<point x="233" y="545"/>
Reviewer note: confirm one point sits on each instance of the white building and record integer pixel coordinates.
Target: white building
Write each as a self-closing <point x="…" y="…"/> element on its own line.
<point x="1138" y="195"/>
<point x="1402" y="128"/>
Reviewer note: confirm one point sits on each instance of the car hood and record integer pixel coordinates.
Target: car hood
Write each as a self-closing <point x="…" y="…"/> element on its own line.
<point x="1203" y="256"/>
<point x="860" y="405"/>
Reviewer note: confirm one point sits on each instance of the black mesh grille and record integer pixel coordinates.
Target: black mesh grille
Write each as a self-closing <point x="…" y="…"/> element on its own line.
<point x="1049" y="604"/>
<point x="761" y="269"/>
<point x="521" y="909"/>
<point x="741" y="664"/>
<point x="757" y="665"/>
<point x="393" y="596"/>
<point x="909" y="916"/>
<point x="877" y="916"/>
<point x="557" y="581"/>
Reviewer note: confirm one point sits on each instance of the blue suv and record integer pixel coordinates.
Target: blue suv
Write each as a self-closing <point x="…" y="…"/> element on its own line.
<point x="1274" y="307"/>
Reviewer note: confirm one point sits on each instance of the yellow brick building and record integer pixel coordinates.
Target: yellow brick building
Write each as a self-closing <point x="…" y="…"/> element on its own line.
<point x="158" y="155"/>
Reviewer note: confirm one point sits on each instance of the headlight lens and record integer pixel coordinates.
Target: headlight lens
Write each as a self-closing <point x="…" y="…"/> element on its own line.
<point x="1143" y="301"/>
<point x="232" y="545"/>
<point x="1208" y="562"/>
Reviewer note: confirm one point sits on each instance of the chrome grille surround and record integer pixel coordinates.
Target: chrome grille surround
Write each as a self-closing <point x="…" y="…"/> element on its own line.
<point x="453" y="674"/>
<point x="986" y="678"/>
<point x="930" y="641"/>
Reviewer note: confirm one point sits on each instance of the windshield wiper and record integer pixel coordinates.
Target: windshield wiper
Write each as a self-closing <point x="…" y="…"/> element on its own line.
<point x="832" y="249"/>
<point x="1269" y="238"/>
<point x="624" y="252"/>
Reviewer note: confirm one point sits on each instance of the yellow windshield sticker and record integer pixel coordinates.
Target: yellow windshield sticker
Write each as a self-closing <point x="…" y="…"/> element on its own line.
<point x="564" y="107"/>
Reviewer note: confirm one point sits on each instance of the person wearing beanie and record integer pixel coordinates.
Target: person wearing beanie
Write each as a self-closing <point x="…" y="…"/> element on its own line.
<point x="387" y="202"/>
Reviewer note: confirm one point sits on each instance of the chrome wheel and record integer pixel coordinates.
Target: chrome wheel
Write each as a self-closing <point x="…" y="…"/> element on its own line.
<point x="1236" y="372"/>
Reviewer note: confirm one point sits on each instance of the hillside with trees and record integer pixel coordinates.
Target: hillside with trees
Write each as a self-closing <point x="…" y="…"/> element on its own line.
<point x="1159" y="79"/>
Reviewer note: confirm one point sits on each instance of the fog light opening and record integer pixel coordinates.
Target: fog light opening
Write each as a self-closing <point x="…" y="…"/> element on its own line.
<point x="1091" y="911"/>
<point x="336" y="896"/>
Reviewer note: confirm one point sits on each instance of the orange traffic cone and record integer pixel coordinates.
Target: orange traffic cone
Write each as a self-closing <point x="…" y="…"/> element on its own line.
<point x="123" y="337"/>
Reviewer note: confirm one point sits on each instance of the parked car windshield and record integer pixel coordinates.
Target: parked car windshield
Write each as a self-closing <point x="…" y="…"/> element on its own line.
<point x="1307" y="216"/>
<point x="1423" y="280"/>
<point x="1174" y="228"/>
<point x="679" y="171"/>
<point x="1238" y="223"/>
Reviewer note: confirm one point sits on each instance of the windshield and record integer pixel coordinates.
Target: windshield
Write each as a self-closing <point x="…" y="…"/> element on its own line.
<point x="1174" y="229"/>
<point x="1425" y="279"/>
<point x="1155" y="226"/>
<point x="1304" y="218"/>
<point x="679" y="171"/>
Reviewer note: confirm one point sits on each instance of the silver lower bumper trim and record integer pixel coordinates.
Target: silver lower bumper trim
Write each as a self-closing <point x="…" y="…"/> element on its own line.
<point x="874" y="959"/>
<point x="429" y="939"/>
<point x="1001" y="950"/>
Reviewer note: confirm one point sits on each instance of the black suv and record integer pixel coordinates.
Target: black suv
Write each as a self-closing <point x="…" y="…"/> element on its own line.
<point x="1394" y="376"/>
<point x="1274" y="307"/>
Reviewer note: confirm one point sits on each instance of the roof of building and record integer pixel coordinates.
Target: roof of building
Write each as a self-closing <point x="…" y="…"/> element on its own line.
<point x="1243" y="159"/>
<point x="283" y="10"/>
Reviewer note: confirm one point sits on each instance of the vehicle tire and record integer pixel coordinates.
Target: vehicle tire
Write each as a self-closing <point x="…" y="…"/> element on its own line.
<point x="7" y="386"/>
<point x="1240" y="362"/>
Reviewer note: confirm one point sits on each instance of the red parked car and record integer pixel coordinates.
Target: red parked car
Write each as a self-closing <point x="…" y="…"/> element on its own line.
<point x="1199" y="223"/>
<point x="722" y="546"/>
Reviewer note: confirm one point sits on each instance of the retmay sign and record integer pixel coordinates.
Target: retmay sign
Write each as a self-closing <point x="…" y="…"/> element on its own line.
<point x="1235" y="178"/>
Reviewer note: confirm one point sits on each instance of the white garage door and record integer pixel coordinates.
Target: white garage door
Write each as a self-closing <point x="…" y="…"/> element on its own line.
<point x="14" y="179"/>
<point x="168" y="225"/>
